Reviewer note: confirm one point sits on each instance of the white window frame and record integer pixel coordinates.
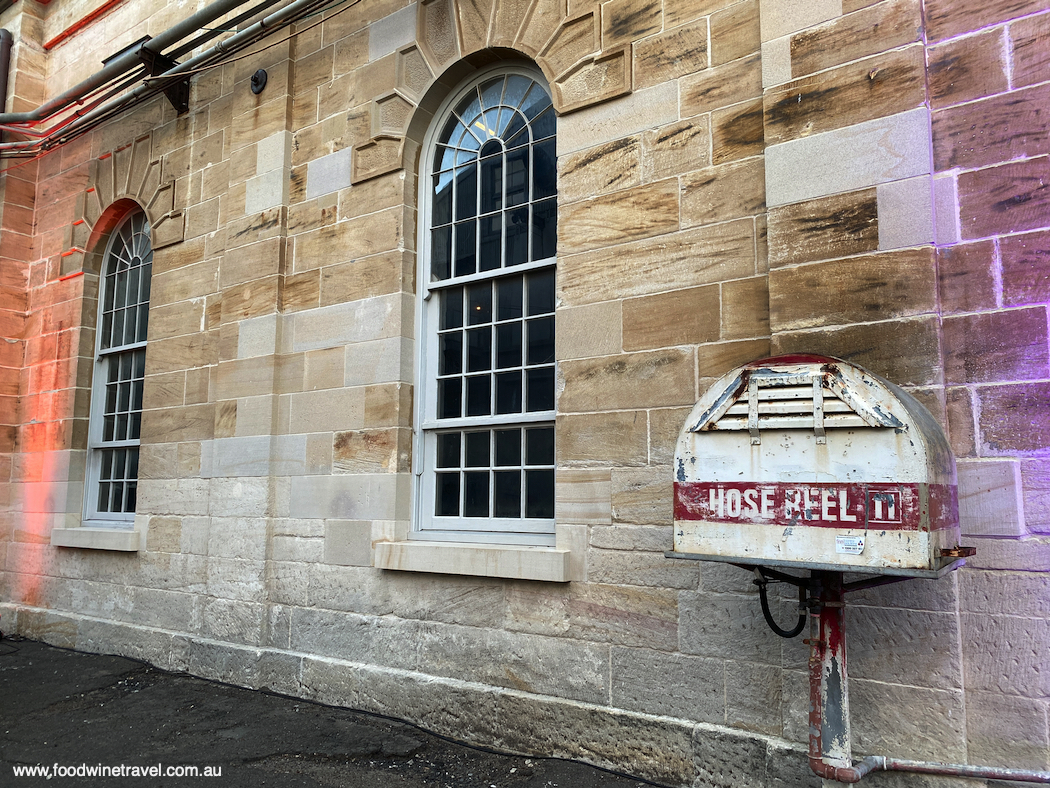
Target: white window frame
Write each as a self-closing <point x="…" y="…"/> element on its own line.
<point x="104" y="357"/>
<point x="426" y="526"/>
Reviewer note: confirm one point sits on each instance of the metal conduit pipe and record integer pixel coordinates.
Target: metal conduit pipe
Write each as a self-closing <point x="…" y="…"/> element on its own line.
<point x="829" y="738"/>
<point x="246" y="37"/>
<point x="127" y="61"/>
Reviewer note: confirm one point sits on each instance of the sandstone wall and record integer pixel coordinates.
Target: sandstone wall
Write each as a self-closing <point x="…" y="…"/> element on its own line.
<point x="736" y="179"/>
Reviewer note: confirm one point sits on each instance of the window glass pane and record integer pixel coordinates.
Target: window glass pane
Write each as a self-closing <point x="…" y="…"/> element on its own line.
<point x="143" y="322"/>
<point x="508" y="392"/>
<point x="107" y="330"/>
<point x="466" y="252"/>
<point x="539" y="494"/>
<point x="107" y="465"/>
<point x="109" y="423"/>
<point x="491" y="92"/>
<point x="492" y="181"/>
<point x="131" y="490"/>
<point x="450" y="354"/>
<point x="476" y="494"/>
<point x="479" y="396"/>
<point x="448" y="450"/>
<point x="133" y="463"/>
<point x="452" y="308"/>
<point x="479" y="304"/>
<point x="135" y="427"/>
<point x="518" y="176"/>
<point x="491" y="241"/>
<point x="440" y="253"/>
<point x="544" y="171"/>
<point x="516" y="133"/>
<point x="507" y="497"/>
<point x="517" y="231"/>
<point x="535" y="101"/>
<point x="441" y="212"/>
<point x="450" y="399"/>
<point x="543" y="125"/>
<point x="103" y="497"/>
<point x="147" y="273"/>
<point x="540" y="389"/>
<point x="447" y="495"/>
<point x="508" y="345"/>
<point x="539" y="446"/>
<point x="508" y="295"/>
<point x="544" y="229"/>
<point x="508" y="447"/>
<point x="466" y="191"/>
<point x="541" y="293"/>
<point x="477" y="449"/>
<point x="541" y="340"/>
<point x="479" y="349"/>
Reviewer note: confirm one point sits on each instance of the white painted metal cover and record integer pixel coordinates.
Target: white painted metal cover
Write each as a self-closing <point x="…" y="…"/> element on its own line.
<point x="812" y="460"/>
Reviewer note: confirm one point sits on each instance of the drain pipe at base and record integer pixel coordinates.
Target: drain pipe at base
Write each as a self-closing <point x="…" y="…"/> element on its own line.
<point x="829" y="733"/>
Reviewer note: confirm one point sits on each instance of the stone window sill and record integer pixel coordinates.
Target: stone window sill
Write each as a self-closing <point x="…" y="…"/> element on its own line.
<point x="482" y="560"/>
<point x="121" y="539"/>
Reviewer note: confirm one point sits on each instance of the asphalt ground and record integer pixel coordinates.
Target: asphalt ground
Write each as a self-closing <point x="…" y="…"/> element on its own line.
<point x="77" y="711"/>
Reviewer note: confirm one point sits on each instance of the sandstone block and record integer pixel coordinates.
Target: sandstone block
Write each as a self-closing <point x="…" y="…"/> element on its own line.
<point x="878" y="28"/>
<point x="627" y="215"/>
<point x="870" y="287"/>
<point x="660" y="747"/>
<point x="779" y="19"/>
<point x="699" y="256"/>
<point x="745" y="308"/>
<point x="1026" y="278"/>
<point x="643" y="495"/>
<point x="676" y="148"/>
<point x="919" y="723"/>
<point x="737" y="132"/>
<point x="875" y="347"/>
<point x="965" y="278"/>
<point x="583" y="496"/>
<point x="1029" y="50"/>
<point x="371" y="451"/>
<point x="725" y="626"/>
<point x="348" y="542"/>
<point x="594" y="80"/>
<point x="619" y="567"/>
<point x="753" y="698"/>
<point x="1012" y="417"/>
<point x="380" y="496"/>
<point x="1036" y="479"/>
<point x="721" y="86"/>
<point x="729" y="191"/>
<point x="944" y="19"/>
<point x="588" y="331"/>
<point x="624" y="21"/>
<point x="672" y="685"/>
<point x="605" y="168"/>
<point x="828" y="227"/>
<point x="673" y="54"/>
<point x="1006" y="731"/>
<point x="850" y="158"/>
<point x="875" y="87"/>
<point x="1004" y="199"/>
<point x="992" y="346"/>
<point x="967" y="68"/>
<point x="735" y="32"/>
<point x="641" y="110"/>
<point x="900" y="646"/>
<point x="652" y="379"/>
<point x="602" y="439"/>
<point x="664" y="426"/>
<point x="992" y="130"/>
<point x="1003" y="593"/>
<point x="680" y="317"/>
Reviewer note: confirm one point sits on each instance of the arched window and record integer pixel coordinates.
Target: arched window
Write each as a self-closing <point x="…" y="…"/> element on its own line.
<point x="120" y="365"/>
<point x="489" y="228"/>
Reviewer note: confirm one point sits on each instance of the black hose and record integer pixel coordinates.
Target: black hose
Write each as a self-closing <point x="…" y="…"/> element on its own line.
<point x="784" y="633"/>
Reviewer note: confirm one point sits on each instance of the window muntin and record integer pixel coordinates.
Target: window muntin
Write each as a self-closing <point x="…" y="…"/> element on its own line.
<point x="120" y="367"/>
<point x="488" y="357"/>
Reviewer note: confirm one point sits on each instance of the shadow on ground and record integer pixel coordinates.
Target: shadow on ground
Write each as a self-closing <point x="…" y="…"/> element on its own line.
<point x="69" y="708"/>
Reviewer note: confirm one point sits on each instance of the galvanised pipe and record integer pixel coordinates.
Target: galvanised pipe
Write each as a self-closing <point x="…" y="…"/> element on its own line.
<point x="127" y="61"/>
<point x="244" y="38"/>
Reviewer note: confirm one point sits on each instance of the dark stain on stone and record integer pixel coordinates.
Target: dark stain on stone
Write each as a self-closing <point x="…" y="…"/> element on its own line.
<point x="635" y="24"/>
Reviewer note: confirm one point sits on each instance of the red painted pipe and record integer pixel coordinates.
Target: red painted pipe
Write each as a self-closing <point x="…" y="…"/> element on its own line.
<point x="827" y="647"/>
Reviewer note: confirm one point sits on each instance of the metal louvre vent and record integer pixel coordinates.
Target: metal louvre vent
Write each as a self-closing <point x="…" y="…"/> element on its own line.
<point x="784" y="402"/>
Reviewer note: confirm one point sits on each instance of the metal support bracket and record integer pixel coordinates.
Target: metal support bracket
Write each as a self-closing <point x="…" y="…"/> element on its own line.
<point x="178" y="90"/>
